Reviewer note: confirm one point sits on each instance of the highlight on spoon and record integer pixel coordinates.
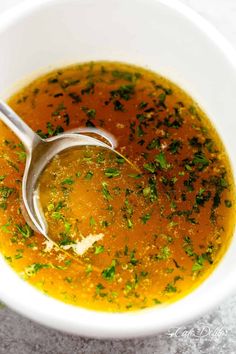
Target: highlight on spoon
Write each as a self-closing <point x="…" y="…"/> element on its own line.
<point x="82" y="191"/>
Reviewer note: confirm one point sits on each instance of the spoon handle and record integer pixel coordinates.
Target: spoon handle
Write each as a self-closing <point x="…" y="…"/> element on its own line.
<point x="27" y="136"/>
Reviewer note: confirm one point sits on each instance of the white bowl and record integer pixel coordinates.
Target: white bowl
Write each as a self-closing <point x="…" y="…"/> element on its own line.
<point x="164" y="36"/>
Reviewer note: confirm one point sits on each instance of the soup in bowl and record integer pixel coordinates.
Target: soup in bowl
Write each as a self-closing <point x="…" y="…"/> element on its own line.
<point x="150" y="244"/>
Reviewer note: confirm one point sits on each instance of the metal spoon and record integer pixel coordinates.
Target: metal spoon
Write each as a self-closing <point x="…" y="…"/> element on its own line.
<point x="39" y="152"/>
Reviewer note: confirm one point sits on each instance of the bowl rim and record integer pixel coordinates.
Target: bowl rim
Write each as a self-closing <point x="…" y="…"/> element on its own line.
<point x="117" y="325"/>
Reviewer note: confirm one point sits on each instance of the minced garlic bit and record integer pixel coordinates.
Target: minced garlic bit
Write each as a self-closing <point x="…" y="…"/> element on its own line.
<point x="82" y="246"/>
<point x="48" y="245"/>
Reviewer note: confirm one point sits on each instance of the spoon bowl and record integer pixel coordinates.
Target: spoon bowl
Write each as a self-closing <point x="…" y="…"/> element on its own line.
<point x="40" y="156"/>
<point x="39" y="153"/>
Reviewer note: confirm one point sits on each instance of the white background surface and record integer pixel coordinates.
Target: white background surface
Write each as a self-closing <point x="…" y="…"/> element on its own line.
<point x="213" y="333"/>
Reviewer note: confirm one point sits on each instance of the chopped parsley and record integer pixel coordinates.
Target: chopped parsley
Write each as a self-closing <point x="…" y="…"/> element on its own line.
<point x="111" y="172"/>
<point x="109" y="272"/>
<point x="88" y="175"/>
<point x="105" y="191"/>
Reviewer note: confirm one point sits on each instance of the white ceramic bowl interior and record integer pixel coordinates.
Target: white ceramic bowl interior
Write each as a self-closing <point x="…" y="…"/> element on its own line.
<point x="164" y="36"/>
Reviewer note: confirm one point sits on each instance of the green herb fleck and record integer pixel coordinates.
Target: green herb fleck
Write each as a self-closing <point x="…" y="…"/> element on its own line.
<point x="92" y="221"/>
<point x="105" y="191"/>
<point x="88" y="175"/>
<point x="99" y="249"/>
<point x="111" y="172"/>
<point x="161" y="160"/>
<point x="163" y="254"/>
<point x="228" y="203"/>
<point x="124" y="91"/>
<point x="109" y="273"/>
<point x="25" y="230"/>
<point x="144" y="218"/>
<point x="68" y="181"/>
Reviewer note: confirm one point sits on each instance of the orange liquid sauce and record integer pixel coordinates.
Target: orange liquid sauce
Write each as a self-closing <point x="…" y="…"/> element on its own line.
<point x="163" y="233"/>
